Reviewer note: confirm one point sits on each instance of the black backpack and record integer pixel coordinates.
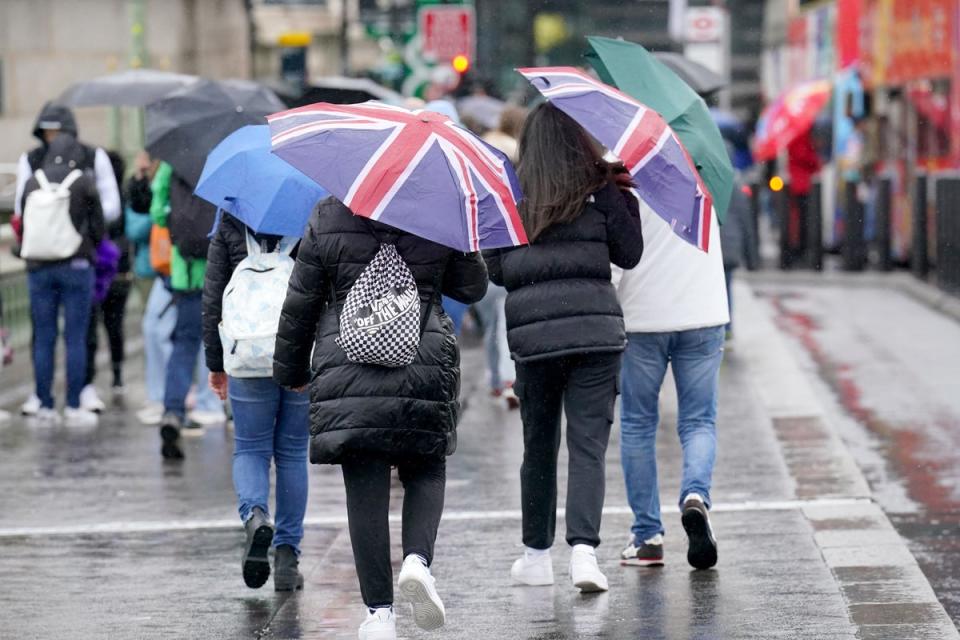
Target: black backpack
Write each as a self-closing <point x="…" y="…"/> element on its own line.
<point x="191" y="219"/>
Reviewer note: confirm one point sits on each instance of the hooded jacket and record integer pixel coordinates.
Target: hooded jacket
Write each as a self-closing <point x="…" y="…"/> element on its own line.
<point x="60" y="118"/>
<point x="559" y="297"/>
<point x="63" y="156"/>
<point x="394" y="413"/>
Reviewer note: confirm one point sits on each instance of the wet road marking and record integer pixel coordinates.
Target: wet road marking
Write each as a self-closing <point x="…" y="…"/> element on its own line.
<point x="165" y="526"/>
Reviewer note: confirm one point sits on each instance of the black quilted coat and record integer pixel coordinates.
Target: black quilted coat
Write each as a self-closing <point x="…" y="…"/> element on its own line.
<point x="560" y="300"/>
<point x="388" y="412"/>
<point x="227" y="249"/>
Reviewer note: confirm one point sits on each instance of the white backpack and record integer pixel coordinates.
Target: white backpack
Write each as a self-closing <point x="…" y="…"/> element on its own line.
<point x="252" y="303"/>
<point x="48" y="231"/>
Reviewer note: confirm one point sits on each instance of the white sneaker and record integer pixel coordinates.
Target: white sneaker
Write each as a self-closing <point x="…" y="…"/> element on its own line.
<point x="44" y="417"/>
<point x="207" y="418"/>
<point x="419" y="587"/>
<point x="90" y="401"/>
<point x="31" y="406"/>
<point x="151" y="414"/>
<point x="534" y="568"/>
<point x="79" y="418"/>
<point x="584" y="572"/>
<point x="379" y="625"/>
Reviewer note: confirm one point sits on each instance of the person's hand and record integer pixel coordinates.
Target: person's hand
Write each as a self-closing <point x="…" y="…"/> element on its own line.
<point x="218" y="383"/>
<point x="299" y="389"/>
<point x="622" y="177"/>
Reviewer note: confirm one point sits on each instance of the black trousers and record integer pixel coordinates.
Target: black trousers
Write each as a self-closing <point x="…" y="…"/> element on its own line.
<point x="585" y="388"/>
<point x="368" y="503"/>
<point x="111" y="312"/>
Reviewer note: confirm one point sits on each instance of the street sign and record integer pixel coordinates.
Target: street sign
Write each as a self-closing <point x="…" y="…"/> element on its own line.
<point x="704" y="24"/>
<point x="448" y="31"/>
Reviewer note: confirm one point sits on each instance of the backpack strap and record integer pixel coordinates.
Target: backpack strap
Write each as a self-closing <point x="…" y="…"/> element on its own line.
<point x="72" y="177"/>
<point x="42" y="179"/>
<point x="253" y="247"/>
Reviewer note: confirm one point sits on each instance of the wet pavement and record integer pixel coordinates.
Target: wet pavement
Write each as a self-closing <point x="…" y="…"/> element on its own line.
<point x="887" y="366"/>
<point x="100" y="538"/>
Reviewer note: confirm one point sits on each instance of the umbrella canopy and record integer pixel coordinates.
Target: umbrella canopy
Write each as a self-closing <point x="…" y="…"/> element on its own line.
<point x="186" y="125"/>
<point x="131" y="88"/>
<point x="416" y="171"/>
<point x="637" y="73"/>
<point x="789" y="116"/>
<point x="665" y="176"/>
<point x="241" y="176"/>
<point x="484" y="109"/>
<point x="336" y="90"/>
<point x="701" y="79"/>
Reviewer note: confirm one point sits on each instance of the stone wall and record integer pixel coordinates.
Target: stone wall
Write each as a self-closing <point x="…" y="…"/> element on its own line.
<point x="46" y="45"/>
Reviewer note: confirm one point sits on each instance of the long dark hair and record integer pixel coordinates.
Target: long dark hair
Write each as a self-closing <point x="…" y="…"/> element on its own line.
<point x="560" y="166"/>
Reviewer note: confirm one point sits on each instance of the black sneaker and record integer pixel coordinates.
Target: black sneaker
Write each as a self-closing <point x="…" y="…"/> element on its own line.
<point x="286" y="571"/>
<point x="648" y="554"/>
<point x="255" y="562"/>
<point x="702" y="552"/>
<point x="170" y="427"/>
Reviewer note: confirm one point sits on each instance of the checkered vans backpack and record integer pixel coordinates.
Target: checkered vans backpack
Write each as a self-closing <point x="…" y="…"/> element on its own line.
<point x="380" y="320"/>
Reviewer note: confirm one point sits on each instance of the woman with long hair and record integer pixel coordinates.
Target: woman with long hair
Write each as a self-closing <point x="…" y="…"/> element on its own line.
<point x="565" y="331"/>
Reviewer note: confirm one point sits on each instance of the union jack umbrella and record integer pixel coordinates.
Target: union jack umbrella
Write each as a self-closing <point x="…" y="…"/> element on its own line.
<point x="416" y="171"/>
<point x="665" y="176"/>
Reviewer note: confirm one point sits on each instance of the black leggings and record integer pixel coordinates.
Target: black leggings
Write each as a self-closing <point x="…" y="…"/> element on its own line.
<point x="112" y="311"/>
<point x="368" y="502"/>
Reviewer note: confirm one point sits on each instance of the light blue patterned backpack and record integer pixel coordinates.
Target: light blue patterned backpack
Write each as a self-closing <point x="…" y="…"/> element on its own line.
<point x="252" y="303"/>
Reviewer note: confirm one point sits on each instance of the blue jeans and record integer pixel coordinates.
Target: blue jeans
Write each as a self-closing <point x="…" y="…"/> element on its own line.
<point x="500" y="366"/>
<point x="69" y="285"/>
<point x="159" y="322"/>
<point x="187" y="339"/>
<point x="271" y="422"/>
<point x="159" y="319"/>
<point x="695" y="356"/>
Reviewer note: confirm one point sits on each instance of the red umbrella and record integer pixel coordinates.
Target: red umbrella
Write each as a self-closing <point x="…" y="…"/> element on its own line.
<point x="789" y="116"/>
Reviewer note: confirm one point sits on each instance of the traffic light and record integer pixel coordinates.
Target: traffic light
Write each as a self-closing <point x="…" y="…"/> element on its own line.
<point x="461" y="64"/>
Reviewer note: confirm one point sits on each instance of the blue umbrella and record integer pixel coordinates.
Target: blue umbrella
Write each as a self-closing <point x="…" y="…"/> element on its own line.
<point x="242" y="177"/>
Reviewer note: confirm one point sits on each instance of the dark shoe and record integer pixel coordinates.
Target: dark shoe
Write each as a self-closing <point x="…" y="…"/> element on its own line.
<point x="170" y="427"/>
<point x="648" y="554"/>
<point x="256" y="563"/>
<point x="702" y="552"/>
<point x="286" y="574"/>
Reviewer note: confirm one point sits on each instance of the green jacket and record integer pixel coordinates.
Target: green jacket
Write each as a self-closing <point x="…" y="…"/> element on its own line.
<point x="185" y="274"/>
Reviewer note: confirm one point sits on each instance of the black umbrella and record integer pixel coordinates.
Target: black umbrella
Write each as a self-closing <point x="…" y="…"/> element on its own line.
<point x="702" y="80"/>
<point x="186" y="125"/>
<point x="132" y="88"/>
<point x="336" y="90"/>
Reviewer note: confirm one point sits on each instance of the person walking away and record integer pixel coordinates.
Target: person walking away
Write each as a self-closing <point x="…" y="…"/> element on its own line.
<point x="803" y="163"/>
<point x="501" y="372"/>
<point x="52" y="121"/>
<point x="159" y="315"/>
<point x="62" y="225"/>
<point x="270" y="422"/>
<point x="566" y="334"/>
<point x="368" y="418"/>
<point x="189" y="219"/>
<point x="112" y="307"/>
<point x="675" y="310"/>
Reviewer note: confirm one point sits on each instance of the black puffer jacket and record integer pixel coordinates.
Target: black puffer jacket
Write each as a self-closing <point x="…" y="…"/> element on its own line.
<point x="368" y="409"/>
<point x="560" y="300"/>
<point x="227" y="249"/>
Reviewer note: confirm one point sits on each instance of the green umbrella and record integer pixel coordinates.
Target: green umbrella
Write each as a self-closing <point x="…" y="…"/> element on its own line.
<point x="635" y="71"/>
